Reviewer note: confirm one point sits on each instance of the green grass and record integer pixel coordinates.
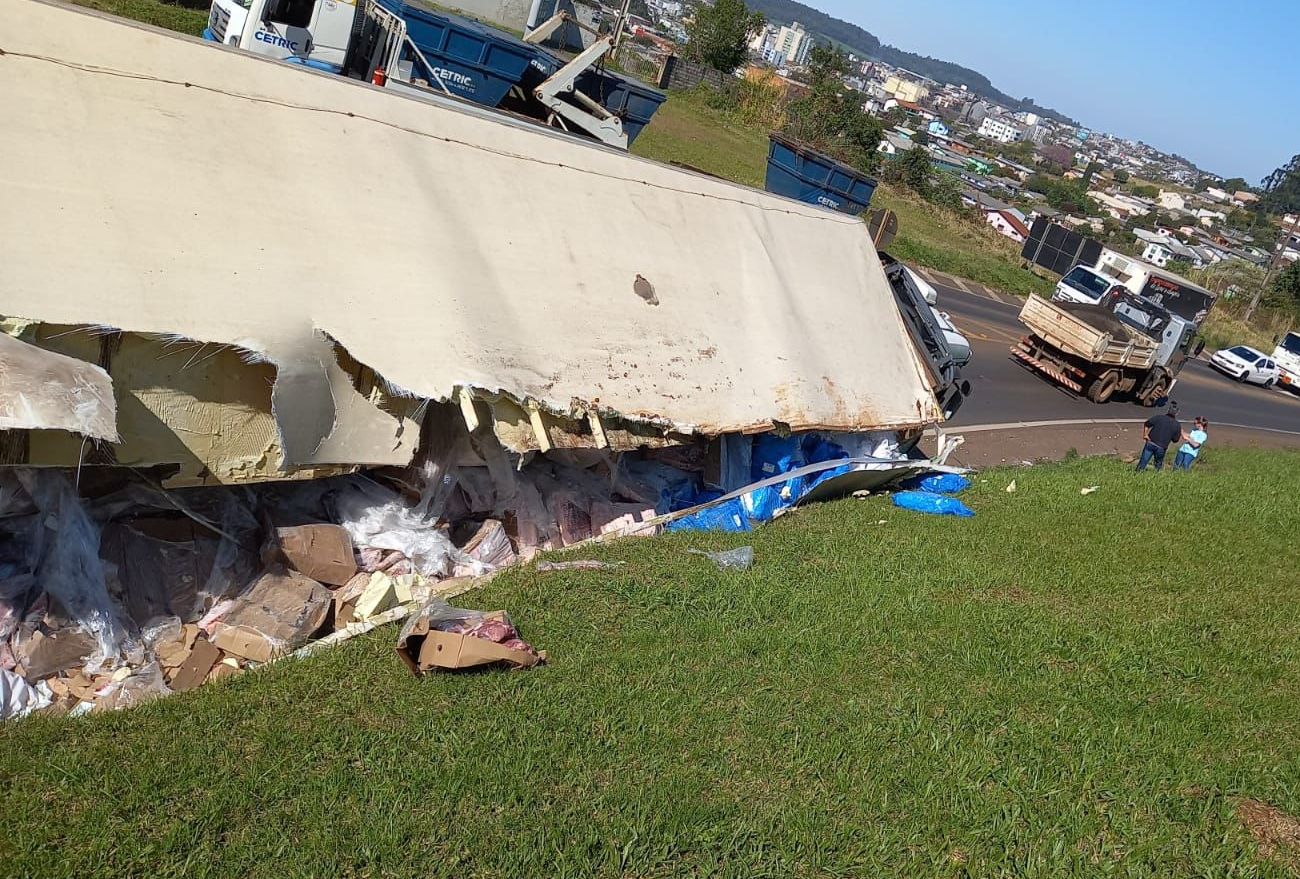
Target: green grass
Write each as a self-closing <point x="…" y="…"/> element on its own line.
<point x="687" y="130"/>
<point x="1063" y="685"/>
<point x="942" y="239"/>
<point x="156" y="12"/>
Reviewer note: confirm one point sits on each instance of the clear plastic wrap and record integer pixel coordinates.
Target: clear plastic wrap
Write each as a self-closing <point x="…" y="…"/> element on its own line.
<point x="737" y="559"/>
<point x="67" y="541"/>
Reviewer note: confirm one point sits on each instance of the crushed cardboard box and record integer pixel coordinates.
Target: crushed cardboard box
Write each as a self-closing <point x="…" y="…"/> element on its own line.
<point x="322" y="552"/>
<point x="423" y="648"/>
<point x="277" y="614"/>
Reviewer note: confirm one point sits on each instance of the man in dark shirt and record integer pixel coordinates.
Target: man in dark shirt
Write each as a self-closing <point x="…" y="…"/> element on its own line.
<point x="1158" y="432"/>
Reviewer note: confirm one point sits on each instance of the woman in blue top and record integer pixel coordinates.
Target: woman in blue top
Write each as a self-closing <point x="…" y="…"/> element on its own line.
<point x="1192" y="446"/>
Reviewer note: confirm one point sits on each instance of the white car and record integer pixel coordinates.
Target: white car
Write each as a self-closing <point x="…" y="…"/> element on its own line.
<point x="927" y="289"/>
<point x="1245" y="364"/>
<point x="957" y="344"/>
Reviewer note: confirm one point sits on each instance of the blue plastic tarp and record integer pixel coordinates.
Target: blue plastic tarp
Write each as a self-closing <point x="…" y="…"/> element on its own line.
<point x="943" y="483"/>
<point x="930" y="502"/>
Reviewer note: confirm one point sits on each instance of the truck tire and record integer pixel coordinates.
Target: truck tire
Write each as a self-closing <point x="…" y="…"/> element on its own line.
<point x="1103" y="387"/>
<point x="1155" y="393"/>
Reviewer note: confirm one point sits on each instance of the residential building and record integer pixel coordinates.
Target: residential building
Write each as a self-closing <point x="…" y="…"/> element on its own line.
<point x="1243" y="198"/>
<point x="795" y="43"/>
<point x="893" y="143"/>
<point x="1215" y="194"/>
<point x="764" y="40"/>
<point x="1162" y="249"/>
<point x="1174" y="201"/>
<point x="1010" y="223"/>
<point x="1001" y="129"/>
<point x="938" y="129"/>
<point x="906" y="89"/>
<point x="1121" y="207"/>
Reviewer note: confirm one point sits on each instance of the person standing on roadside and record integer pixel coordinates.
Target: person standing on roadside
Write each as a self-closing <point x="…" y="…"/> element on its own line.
<point x="1191" y="446"/>
<point x="1158" y="432"/>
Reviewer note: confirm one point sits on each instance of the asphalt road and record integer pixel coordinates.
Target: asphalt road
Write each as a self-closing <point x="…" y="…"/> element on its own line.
<point x="1004" y="391"/>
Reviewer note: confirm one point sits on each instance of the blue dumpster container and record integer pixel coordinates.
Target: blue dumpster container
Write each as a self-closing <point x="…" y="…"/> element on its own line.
<point x="474" y="61"/>
<point x="804" y="174"/>
<point x="631" y="101"/>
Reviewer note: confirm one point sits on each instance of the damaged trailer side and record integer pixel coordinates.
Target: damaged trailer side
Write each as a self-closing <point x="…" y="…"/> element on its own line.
<point x="302" y="218"/>
<point x="438" y="341"/>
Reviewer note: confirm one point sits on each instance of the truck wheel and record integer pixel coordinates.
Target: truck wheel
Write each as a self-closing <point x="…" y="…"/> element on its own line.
<point x="1103" y="387"/>
<point x="1156" y="393"/>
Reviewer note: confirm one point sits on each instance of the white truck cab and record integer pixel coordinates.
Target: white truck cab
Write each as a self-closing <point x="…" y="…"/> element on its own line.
<point x="315" y="33"/>
<point x="1287" y="357"/>
<point x="1083" y="284"/>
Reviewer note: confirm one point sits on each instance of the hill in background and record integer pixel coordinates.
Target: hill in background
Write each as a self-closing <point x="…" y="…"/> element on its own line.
<point x="865" y="43"/>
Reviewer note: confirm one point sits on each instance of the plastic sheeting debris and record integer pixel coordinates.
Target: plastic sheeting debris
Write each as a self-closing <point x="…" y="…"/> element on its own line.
<point x="737" y="559"/>
<point x="930" y="502"/>
<point x="19" y="698"/>
<point x="66" y="542"/>
<point x="577" y="565"/>
<point x="940" y="483"/>
<point x="377" y="518"/>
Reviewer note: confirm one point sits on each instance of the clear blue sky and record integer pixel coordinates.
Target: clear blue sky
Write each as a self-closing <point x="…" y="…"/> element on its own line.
<point x="1215" y="82"/>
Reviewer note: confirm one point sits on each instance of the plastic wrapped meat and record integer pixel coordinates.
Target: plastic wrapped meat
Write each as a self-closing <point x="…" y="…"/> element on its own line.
<point x="519" y="644"/>
<point x="498" y="631"/>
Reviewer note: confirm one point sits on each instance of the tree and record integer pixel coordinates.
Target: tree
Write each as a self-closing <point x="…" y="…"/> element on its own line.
<point x="1121" y="176"/>
<point x="1282" y="189"/>
<point x="1142" y="190"/>
<point x="1286" y="287"/>
<point x="830" y="116"/>
<point x="719" y="35"/>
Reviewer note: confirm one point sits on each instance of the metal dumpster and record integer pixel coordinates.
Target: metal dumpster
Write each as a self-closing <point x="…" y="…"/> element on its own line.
<point x="630" y="100"/>
<point x="473" y="61"/>
<point x="797" y="171"/>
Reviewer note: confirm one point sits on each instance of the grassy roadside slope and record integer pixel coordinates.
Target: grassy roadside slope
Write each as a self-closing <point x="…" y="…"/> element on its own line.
<point x="922" y="697"/>
<point x="156" y="12"/>
<point x="686" y="130"/>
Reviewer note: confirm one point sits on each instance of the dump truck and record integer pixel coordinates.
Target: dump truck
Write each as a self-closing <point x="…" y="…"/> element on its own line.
<point x="1125" y="345"/>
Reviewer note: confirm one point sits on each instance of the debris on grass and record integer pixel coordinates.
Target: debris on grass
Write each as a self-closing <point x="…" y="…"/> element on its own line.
<point x="1011" y="487"/>
<point x="931" y="502"/>
<point x="730" y="559"/>
<point x="576" y="565"/>
<point x="1089" y="489"/>
<point x="1276" y="833"/>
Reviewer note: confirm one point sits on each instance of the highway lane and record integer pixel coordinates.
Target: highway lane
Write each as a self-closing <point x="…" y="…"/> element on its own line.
<point x="1005" y="391"/>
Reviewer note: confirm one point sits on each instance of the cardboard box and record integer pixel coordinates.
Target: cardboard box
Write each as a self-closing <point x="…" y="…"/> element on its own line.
<point x="42" y="655"/>
<point x="194" y="670"/>
<point x="321" y="552"/>
<point x="422" y="649"/>
<point x="276" y="615"/>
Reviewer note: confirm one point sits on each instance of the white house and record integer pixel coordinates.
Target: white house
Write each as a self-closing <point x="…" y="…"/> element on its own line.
<point x="1170" y="200"/>
<point x="892" y="144"/>
<point x="1216" y="194"/>
<point x="1009" y="224"/>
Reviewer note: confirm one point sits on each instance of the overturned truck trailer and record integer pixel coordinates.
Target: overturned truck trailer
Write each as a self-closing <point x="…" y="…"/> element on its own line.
<point x="278" y="268"/>
<point x="228" y="286"/>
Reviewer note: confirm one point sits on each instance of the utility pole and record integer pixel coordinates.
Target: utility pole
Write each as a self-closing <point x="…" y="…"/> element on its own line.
<point x="622" y="22"/>
<point x="1284" y="236"/>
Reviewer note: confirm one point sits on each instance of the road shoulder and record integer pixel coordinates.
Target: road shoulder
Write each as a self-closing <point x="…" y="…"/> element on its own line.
<point x="997" y="445"/>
